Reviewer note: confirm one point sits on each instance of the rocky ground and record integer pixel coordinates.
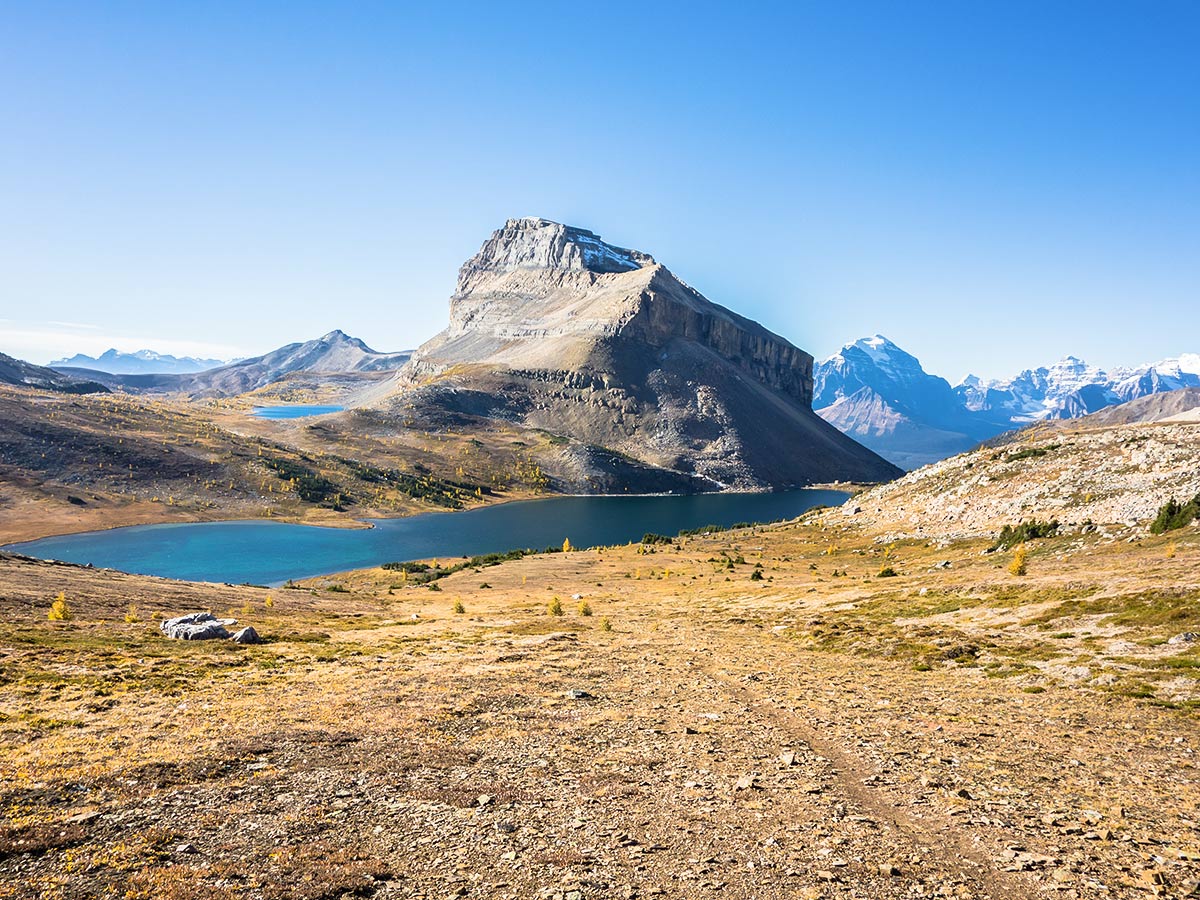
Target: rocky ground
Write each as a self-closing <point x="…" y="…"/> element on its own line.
<point x="812" y="730"/>
<point x="1078" y="473"/>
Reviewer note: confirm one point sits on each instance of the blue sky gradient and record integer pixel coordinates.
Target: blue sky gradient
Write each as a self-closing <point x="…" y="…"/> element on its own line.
<point x="990" y="185"/>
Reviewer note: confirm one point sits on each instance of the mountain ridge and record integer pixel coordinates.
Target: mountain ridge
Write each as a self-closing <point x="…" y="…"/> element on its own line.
<point x="335" y="353"/>
<point x="25" y="374"/>
<point x="139" y="362"/>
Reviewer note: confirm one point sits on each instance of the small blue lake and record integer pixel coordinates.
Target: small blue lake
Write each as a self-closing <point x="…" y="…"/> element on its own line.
<point x="264" y="552"/>
<point x="294" y="411"/>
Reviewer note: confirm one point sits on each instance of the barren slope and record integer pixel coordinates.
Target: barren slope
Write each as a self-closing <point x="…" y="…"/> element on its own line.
<point x="819" y="732"/>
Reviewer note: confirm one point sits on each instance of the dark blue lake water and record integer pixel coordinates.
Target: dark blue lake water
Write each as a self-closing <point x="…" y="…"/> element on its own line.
<point x="263" y="552"/>
<point x="295" y="411"/>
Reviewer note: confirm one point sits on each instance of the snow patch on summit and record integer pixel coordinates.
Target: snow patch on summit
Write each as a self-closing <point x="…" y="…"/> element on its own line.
<point x="599" y="255"/>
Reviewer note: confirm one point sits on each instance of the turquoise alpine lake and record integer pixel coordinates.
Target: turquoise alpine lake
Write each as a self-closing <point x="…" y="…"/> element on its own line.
<point x="264" y="552"/>
<point x="295" y="411"/>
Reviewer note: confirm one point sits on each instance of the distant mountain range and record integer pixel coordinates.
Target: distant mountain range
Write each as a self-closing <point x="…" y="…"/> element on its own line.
<point x="140" y="362"/>
<point x="880" y="395"/>
<point x="336" y="353"/>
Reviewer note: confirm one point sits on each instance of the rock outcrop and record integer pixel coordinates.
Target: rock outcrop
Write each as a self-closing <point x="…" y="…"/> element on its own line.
<point x="554" y="328"/>
<point x="197" y="626"/>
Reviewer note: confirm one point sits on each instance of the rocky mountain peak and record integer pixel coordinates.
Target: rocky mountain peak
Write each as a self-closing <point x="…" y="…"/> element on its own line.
<point x="534" y="243"/>
<point x="555" y="328"/>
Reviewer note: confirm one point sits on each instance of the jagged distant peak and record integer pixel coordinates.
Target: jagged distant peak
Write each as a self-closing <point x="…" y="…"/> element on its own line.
<point x="142" y="361"/>
<point x="877" y="347"/>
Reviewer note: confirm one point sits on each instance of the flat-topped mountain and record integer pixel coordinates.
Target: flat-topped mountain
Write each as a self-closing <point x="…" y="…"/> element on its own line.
<point x="554" y="328"/>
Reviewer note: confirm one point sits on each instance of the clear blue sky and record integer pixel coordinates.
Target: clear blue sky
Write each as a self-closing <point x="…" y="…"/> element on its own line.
<point x="990" y="185"/>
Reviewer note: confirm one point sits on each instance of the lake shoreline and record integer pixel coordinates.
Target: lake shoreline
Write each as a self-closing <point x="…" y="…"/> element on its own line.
<point x="20" y="526"/>
<point x="271" y="551"/>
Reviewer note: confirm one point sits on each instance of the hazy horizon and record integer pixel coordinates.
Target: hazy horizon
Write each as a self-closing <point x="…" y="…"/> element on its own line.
<point x="992" y="189"/>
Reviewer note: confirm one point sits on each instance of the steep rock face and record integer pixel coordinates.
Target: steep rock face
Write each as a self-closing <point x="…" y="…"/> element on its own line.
<point x="544" y="295"/>
<point x="552" y="327"/>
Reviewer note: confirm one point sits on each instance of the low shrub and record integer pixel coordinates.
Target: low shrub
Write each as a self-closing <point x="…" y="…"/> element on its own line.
<point x="1011" y="535"/>
<point x="59" y="610"/>
<point x="1019" y="565"/>
<point x="1173" y="514"/>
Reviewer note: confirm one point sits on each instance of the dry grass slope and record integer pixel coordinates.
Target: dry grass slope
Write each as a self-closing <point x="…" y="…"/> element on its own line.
<point x="953" y="730"/>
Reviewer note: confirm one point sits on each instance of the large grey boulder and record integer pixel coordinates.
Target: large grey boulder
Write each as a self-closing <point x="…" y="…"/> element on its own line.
<point x="247" y="636"/>
<point x="199" y="626"/>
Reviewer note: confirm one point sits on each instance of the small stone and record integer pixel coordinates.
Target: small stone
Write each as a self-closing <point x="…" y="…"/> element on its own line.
<point x="185" y="848"/>
<point x="483" y="800"/>
<point x="745" y="783"/>
<point x="888" y="869"/>
<point x="1187" y="637"/>
<point x="787" y="758"/>
<point x="247" y="636"/>
<point x="576" y="694"/>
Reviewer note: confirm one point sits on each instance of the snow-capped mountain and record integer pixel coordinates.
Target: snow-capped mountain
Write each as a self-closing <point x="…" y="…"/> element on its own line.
<point x="140" y="362"/>
<point x="1070" y="388"/>
<point x="879" y="394"/>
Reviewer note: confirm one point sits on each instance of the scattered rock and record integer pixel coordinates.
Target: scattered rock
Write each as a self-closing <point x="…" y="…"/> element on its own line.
<point x="576" y="694"/>
<point x="1186" y="638"/>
